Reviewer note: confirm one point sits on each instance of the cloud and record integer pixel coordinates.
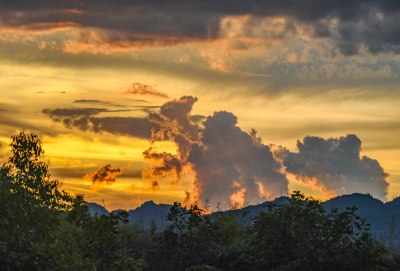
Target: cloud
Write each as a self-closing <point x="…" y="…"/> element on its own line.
<point x="73" y="112"/>
<point x="64" y="173"/>
<point x="169" y="164"/>
<point x="336" y="165"/>
<point x="108" y="25"/>
<point x="97" y="41"/>
<point x="85" y="119"/>
<point x="231" y="167"/>
<point x="144" y="90"/>
<point x="197" y="118"/>
<point x="173" y="122"/>
<point x="99" y="102"/>
<point x="105" y="175"/>
<point x="233" y="164"/>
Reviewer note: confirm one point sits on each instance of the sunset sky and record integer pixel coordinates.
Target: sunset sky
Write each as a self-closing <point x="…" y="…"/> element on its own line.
<point x="101" y="82"/>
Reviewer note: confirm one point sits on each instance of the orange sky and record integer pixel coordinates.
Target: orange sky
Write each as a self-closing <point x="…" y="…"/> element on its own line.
<point x="273" y="71"/>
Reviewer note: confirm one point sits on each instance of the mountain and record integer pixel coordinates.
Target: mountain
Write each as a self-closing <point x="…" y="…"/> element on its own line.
<point x="372" y="209"/>
<point x="96" y="209"/>
<point x="366" y="204"/>
<point x="142" y="215"/>
<point x="247" y="214"/>
<point x="149" y="211"/>
<point x="384" y="218"/>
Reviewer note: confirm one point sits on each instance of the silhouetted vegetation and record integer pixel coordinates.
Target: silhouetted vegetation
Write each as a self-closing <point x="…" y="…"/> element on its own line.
<point x="45" y="228"/>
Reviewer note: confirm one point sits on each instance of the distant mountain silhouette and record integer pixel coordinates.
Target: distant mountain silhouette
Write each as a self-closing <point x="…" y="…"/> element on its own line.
<point x="97" y="209"/>
<point x="384" y="218"/>
<point x="366" y="204"/>
<point x="150" y="211"/>
<point x="142" y="215"/>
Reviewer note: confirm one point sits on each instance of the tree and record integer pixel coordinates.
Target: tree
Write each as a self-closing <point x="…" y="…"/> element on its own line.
<point x="45" y="228"/>
<point x="28" y="175"/>
<point x="30" y="203"/>
<point x="300" y="235"/>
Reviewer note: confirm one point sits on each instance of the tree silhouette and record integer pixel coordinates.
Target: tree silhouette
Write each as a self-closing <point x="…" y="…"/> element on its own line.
<point x="300" y="235"/>
<point x="30" y="203"/>
<point x="45" y="228"/>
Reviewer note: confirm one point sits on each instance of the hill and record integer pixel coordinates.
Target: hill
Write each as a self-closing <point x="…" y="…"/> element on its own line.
<point x="384" y="218"/>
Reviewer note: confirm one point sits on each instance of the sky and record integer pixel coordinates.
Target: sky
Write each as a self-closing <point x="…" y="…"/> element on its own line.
<point x="225" y="103"/>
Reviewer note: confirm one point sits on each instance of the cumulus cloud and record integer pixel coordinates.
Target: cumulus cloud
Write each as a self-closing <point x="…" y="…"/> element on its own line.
<point x="105" y="175"/>
<point x="231" y="167"/>
<point x="144" y="90"/>
<point x="337" y="165"/>
<point x="231" y="163"/>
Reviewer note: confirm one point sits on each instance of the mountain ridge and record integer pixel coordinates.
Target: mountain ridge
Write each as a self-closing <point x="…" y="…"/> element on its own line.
<point x="383" y="217"/>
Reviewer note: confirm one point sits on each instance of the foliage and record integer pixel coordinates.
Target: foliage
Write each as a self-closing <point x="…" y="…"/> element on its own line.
<point x="45" y="228"/>
<point x="301" y="235"/>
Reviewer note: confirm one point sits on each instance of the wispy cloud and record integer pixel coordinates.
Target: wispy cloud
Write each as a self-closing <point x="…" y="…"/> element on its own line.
<point x="98" y="102"/>
<point x="144" y="90"/>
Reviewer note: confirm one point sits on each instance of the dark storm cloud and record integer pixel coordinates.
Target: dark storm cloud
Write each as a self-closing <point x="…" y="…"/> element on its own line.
<point x="85" y="119"/>
<point x="73" y="112"/>
<point x="337" y="165"/>
<point x="136" y="127"/>
<point x="373" y="24"/>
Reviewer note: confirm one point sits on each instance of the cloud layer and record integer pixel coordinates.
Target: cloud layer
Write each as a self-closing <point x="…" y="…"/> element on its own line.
<point x="230" y="163"/>
<point x="351" y="25"/>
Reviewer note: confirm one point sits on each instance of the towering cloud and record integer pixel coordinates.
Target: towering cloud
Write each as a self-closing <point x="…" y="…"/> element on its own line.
<point x="231" y="167"/>
<point x="231" y="164"/>
<point x="337" y="165"/>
